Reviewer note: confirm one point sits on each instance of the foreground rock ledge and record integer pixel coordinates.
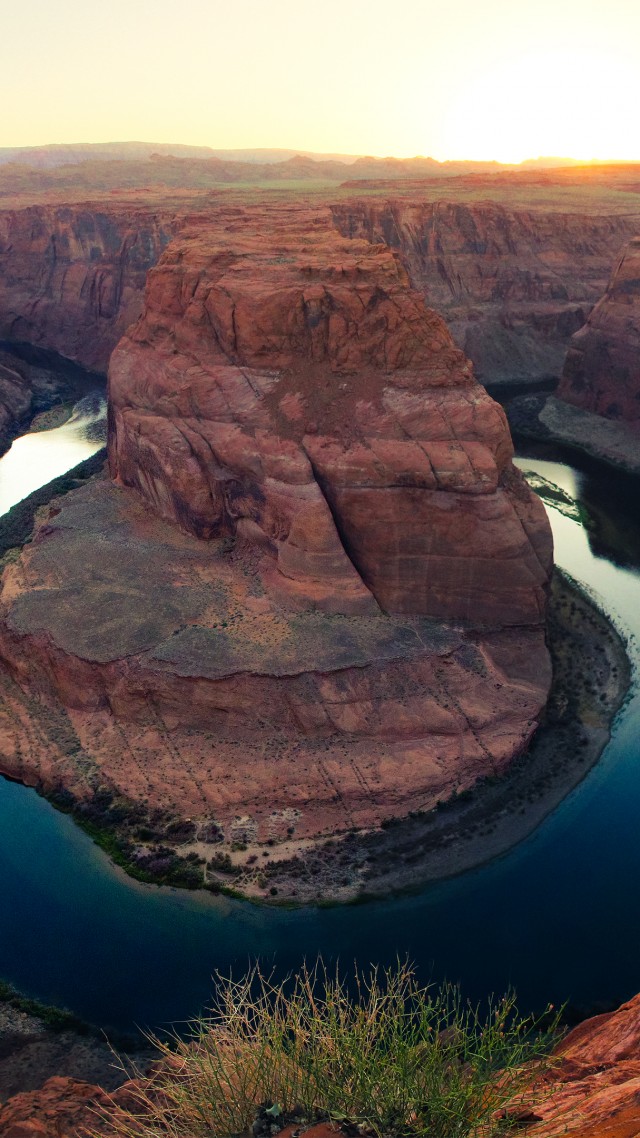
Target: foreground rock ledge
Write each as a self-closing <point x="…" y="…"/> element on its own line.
<point x="313" y="597"/>
<point x="592" y="1092"/>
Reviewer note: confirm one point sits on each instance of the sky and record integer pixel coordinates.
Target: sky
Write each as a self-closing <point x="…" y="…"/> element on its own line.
<point x="480" y="79"/>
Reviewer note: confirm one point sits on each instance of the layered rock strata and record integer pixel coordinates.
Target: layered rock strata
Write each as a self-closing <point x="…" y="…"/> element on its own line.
<point x="513" y="284"/>
<point x="72" y="277"/>
<point x="594" y="1092"/>
<point x="602" y="369"/>
<point x="313" y="595"/>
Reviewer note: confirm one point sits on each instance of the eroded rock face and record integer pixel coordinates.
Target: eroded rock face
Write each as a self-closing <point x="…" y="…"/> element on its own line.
<point x="602" y="368"/>
<point x="513" y="284"/>
<point x="595" y="1090"/>
<point x="294" y="389"/>
<point x="313" y="597"/>
<point x="72" y="277"/>
<point x="63" y="1108"/>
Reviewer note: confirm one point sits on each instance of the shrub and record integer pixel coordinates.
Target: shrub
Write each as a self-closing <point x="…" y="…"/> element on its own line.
<point x="389" y="1055"/>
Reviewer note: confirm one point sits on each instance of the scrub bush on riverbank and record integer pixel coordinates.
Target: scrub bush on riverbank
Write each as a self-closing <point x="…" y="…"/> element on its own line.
<point x="383" y="1054"/>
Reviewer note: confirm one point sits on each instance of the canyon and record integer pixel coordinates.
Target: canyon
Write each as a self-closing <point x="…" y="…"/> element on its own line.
<point x="513" y="282"/>
<point x="309" y="594"/>
<point x="72" y="278"/>
<point x="313" y="592"/>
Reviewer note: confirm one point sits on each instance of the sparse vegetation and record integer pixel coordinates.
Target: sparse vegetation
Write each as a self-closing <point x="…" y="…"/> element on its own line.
<point x="384" y="1053"/>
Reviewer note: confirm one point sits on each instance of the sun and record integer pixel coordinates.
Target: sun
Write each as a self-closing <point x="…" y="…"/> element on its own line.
<point x="561" y="101"/>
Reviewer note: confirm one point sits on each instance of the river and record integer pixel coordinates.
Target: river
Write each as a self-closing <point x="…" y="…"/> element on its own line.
<point x="557" y="917"/>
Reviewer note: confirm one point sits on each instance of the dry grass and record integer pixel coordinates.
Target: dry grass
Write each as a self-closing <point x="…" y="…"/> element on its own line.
<point x="388" y="1054"/>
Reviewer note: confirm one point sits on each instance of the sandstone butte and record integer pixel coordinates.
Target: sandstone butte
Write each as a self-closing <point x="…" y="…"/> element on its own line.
<point x="592" y="1092"/>
<point x="312" y="594"/>
<point x="602" y="369"/>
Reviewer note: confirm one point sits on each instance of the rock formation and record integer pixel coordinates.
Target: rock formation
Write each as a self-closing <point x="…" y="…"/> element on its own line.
<point x="513" y="283"/>
<point x="594" y="1091"/>
<point x="307" y="483"/>
<point x="602" y="369"/>
<point x="72" y="277"/>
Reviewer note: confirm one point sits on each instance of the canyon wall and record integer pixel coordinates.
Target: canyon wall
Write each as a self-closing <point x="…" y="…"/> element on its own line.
<point x="513" y="284"/>
<point x="15" y="397"/>
<point x="602" y="368"/>
<point x="72" y="277"/>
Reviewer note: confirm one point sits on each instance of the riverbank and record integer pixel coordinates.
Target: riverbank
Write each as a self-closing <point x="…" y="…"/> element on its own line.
<point x="543" y="418"/>
<point x="592" y="675"/>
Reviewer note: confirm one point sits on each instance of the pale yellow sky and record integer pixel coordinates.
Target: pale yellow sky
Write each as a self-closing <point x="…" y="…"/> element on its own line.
<point x="504" y="79"/>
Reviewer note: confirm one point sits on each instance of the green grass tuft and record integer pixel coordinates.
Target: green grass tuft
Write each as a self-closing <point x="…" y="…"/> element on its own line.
<point x="385" y="1053"/>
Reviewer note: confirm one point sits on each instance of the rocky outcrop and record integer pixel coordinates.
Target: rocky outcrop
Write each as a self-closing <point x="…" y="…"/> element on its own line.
<point x="72" y="277"/>
<point x="314" y="595"/>
<point x="594" y="1091"/>
<point x="602" y="369"/>
<point x="514" y="284"/>
<point x="297" y="391"/>
<point x="63" y="1108"/>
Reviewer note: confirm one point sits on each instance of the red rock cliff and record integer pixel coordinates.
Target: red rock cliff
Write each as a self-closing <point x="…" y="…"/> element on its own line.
<point x="514" y="284"/>
<point x="291" y="386"/>
<point x="602" y="368"/>
<point x="72" y="277"/>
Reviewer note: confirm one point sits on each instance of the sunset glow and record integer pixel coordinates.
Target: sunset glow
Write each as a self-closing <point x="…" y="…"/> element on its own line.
<point x="497" y="80"/>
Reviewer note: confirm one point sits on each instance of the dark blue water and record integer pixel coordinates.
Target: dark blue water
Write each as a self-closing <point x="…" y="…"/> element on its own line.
<point x="558" y="917"/>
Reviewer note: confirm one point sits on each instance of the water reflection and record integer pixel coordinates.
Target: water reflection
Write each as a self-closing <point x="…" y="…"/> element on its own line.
<point x="37" y="458"/>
